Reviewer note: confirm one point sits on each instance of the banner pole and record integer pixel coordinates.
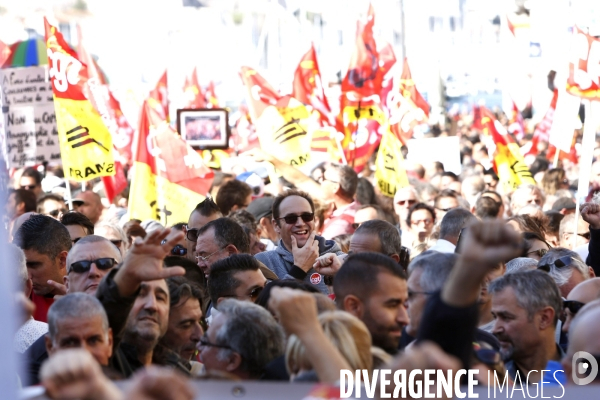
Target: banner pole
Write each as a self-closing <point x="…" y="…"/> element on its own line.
<point x="69" y="195"/>
<point x="585" y="161"/>
<point x="556" y="158"/>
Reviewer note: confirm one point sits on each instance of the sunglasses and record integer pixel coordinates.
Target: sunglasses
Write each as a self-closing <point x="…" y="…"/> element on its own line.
<point x="179" y="250"/>
<point x="403" y="202"/>
<point x="54" y="213"/>
<point x="192" y="234"/>
<point x="29" y="187"/>
<point x="291" y="219"/>
<point x="255" y="293"/>
<point x="573" y="306"/>
<point x="558" y="263"/>
<point x="83" y="266"/>
<point x="540" y="252"/>
<point x="204" y="342"/>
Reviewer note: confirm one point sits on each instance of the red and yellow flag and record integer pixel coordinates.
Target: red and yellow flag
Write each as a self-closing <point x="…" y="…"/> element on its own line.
<point x="193" y="92"/>
<point x="211" y="95"/>
<point x="508" y="161"/>
<point x="85" y="142"/>
<point x="406" y="106"/>
<point x="158" y="98"/>
<point x="169" y="178"/>
<point x="281" y="121"/>
<point x="584" y="72"/>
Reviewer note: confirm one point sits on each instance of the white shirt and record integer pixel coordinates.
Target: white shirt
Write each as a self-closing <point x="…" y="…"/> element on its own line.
<point x="443" y="246"/>
<point x="28" y="333"/>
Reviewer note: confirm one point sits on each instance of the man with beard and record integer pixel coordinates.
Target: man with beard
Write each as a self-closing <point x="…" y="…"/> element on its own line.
<point x="372" y="287"/>
<point x="526" y="306"/>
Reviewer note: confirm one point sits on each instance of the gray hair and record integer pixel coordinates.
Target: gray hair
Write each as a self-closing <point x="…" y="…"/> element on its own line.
<point x="525" y="189"/>
<point x="567" y="224"/>
<point x="454" y="221"/>
<point x="252" y="332"/>
<point x="16" y="259"/>
<point x="562" y="275"/>
<point x="521" y="264"/>
<point x="436" y="267"/>
<point x="90" y="239"/>
<point x="77" y="306"/>
<point x="120" y="232"/>
<point x="388" y="234"/>
<point x="534" y="291"/>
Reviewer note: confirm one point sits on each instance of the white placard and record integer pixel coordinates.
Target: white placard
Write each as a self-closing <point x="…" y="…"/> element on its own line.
<point x="443" y="149"/>
<point x="565" y="121"/>
<point x="29" y="120"/>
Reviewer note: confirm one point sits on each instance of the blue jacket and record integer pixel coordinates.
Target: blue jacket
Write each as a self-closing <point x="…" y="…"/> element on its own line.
<point x="281" y="262"/>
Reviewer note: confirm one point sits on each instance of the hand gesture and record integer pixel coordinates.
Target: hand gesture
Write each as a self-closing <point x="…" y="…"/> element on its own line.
<point x="155" y="383"/>
<point x="75" y="374"/>
<point x="305" y="256"/>
<point x="490" y="243"/>
<point x="59" y="289"/>
<point x="328" y="264"/>
<point x="144" y="261"/>
<point x="590" y="212"/>
<point x="296" y="310"/>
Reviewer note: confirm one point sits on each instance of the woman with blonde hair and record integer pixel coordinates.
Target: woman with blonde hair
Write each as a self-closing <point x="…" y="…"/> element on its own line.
<point x="347" y="333"/>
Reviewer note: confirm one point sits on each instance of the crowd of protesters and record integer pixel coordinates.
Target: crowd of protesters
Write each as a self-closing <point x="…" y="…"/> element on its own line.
<point x="317" y="274"/>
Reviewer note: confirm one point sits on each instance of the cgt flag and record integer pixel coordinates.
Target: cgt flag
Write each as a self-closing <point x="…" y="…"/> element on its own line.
<point x="390" y="173"/>
<point x="508" y="161"/>
<point x="193" y="92"/>
<point x="162" y="186"/>
<point x="584" y="73"/>
<point x="281" y="121"/>
<point x="85" y="142"/>
<point x="158" y="98"/>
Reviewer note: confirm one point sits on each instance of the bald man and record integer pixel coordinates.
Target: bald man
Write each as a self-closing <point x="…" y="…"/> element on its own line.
<point x="89" y="204"/>
<point x="582" y="294"/>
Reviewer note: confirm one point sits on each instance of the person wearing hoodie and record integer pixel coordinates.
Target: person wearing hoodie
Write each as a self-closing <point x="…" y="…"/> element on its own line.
<point x="299" y="247"/>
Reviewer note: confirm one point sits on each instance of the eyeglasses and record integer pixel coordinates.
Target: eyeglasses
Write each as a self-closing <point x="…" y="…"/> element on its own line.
<point x="54" y="213"/>
<point x="585" y="235"/>
<point x="291" y="219"/>
<point x="540" y="252"/>
<point x="255" y="293"/>
<point x="117" y="243"/>
<point x="83" y="266"/>
<point x="558" y="263"/>
<point x="179" y="250"/>
<point x="573" y="306"/>
<point x="205" y="259"/>
<point x="192" y="234"/>
<point x="403" y="202"/>
<point x="445" y="209"/>
<point x="204" y="342"/>
<point x="29" y="187"/>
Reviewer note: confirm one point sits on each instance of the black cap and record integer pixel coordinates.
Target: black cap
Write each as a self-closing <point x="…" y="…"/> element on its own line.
<point x="563" y="202"/>
<point x="261" y="207"/>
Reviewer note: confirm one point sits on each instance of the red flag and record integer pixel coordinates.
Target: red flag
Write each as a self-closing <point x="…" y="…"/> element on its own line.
<point x="211" y="96"/>
<point x="158" y="98"/>
<point x="364" y="74"/>
<point x="406" y="106"/>
<point x="542" y="130"/>
<point x="584" y="73"/>
<point x="260" y="93"/>
<point x="516" y="124"/>
<point x="308" y="87"/>
<point x="193" y="92"/>
<point x="5" y="52"/>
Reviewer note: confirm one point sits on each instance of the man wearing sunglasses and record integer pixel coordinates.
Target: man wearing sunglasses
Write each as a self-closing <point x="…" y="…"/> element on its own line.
<point x="566" y="268"/>
<point x="568" y="229"/>
<point x="581" y="294"/>
<point x="238" y="277"/>
<point x="90" y="259"/>
<point x="52" y="204"/>
<point x="205" y="212"/>
<point x="299" y="247"/>
<point x="404" y="199"/>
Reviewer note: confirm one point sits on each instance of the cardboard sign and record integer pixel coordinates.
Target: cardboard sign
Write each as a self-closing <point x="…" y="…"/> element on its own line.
<point x="443" y="149"/>
<point x="30" y="136"/>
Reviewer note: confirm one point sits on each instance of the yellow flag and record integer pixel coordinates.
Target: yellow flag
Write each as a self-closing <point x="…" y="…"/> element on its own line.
<point x="510" y="166"/>
<point x="390" y="173"/>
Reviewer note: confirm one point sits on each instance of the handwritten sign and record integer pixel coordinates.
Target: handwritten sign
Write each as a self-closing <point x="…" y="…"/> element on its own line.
<point x="30" y="134"/>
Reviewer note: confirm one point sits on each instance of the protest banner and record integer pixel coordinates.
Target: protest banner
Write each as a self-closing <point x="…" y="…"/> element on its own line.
<point x="30" y="134"/>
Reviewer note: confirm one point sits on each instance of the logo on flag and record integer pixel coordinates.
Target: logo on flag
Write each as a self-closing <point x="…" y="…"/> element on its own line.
<point x="81" y="135"/>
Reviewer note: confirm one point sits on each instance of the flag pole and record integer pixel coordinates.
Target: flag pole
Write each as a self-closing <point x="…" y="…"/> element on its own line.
<point x="69" y="195"/>
<point x="556" y="158"/>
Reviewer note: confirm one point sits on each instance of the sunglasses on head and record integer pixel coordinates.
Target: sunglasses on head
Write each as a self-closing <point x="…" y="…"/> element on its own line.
<point x="84" y="265"/>
<point x="291" y="219"/>
<point x="573" y="306"/>
<point x="558" y="263"/>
